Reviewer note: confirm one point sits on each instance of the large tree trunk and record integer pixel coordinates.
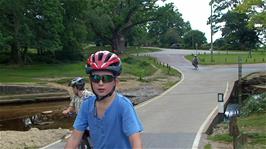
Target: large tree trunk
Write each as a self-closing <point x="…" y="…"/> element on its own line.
<point x="118" y="42"/>
<point x="15" y="57"/>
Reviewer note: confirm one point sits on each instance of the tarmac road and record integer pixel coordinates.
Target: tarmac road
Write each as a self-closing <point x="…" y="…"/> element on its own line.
<point x="174" y="119"/>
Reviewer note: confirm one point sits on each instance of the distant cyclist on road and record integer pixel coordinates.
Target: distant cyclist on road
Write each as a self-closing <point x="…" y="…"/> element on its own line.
<point x="195" y="62"/>
<point x="112" y="119"/>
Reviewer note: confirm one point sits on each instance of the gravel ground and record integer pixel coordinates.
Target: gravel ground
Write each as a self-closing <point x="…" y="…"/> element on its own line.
<point x="34" y="138"/>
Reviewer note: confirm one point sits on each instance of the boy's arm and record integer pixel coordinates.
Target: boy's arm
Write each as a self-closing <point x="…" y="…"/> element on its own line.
<point x="135" y="140"/>
<point x="69" y="109"/>
<point x="74" y="140"/>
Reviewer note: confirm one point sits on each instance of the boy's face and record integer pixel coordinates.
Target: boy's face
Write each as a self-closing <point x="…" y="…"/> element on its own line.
<point x="75" y="90"/>
<point x="102" y="82"/>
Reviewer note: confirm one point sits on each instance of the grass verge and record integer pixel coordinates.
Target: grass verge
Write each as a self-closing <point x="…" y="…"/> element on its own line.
<point x="139" y="66"/>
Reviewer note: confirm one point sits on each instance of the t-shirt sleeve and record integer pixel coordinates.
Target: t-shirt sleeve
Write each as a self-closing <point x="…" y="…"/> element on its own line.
<point x="130" y="120"/>
<point x="81" y="121"/>
<point x="87" y="94"/>
<point x="72" y="102"/>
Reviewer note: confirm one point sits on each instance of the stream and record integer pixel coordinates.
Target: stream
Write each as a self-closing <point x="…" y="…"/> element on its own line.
<point x="44" y="115"/>
<point x="48" y="115"/>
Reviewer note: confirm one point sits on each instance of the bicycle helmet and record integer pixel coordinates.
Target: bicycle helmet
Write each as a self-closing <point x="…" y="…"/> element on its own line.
<point x="78" y="82"/>
<point x="104" y="60"/>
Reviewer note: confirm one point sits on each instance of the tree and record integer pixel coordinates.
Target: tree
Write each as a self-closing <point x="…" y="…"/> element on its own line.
<point x="111" y="20"/>
<point x="75" y="30"/>
<point x="138" y="36"/>
<point x="255" y="9"/>
<point x="194" y="39"/>
<point x="171" y="37"/>
<point x="233" y="25"/>
<point x="169" y="29"/>
<point x="237" y="34"/>
<point x="47" y="22"/>
<point x="221" y="7"/>
<point x="15" y="29"/>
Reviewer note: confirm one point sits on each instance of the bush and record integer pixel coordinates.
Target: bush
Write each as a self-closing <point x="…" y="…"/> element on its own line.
<point x="254" y="104"/>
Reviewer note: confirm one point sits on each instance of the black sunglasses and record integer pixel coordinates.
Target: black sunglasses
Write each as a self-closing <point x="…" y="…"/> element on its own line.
<point x="104" y="78"/>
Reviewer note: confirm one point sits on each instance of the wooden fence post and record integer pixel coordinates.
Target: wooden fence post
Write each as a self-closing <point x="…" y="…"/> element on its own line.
<point x="234" y="131"/>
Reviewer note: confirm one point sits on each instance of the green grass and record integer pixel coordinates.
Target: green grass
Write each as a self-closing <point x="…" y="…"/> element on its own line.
<point x="31" y="73"/>
<point x="253" y="126"/>
<point x="257" y="138"/>
<point x="205" y="59"/>
<point x="221" y="138"/>
<point x="132" y="50"/>
<point x="256" y="120"/>
<point x="133" y="64"/>
<point x="208" y="146"/>
<point x="140" y="66"/>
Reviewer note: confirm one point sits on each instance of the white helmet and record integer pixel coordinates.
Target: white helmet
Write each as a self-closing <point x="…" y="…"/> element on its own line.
<point x="79" y="82"/>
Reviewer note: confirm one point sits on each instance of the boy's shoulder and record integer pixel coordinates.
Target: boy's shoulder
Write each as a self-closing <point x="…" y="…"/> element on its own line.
<point x="89" y="99"/>
<point x="87" y="94"/>
<point x="123" y="99"/>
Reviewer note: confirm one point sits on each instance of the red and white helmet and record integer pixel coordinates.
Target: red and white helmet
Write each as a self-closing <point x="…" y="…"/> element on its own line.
<point x="104" y="60"/>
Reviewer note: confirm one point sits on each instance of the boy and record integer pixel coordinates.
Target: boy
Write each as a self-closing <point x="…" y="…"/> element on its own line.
<point x="111" y="117"/>
<point x="80" y="93"/>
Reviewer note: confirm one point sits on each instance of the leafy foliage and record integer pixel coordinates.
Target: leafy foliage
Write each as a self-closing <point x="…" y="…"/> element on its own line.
<point x="255" y="9"/>
<point x="169" y="29"/>
<point x="237" y="34"/>
<point x="194" y="39"/>
<point x="112" y="20"/>
<point x="254" y="104"/>
<point x="234" y="25"/>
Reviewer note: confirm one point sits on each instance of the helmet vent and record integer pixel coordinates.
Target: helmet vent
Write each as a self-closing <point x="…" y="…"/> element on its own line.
<point x="93" y="58"/>
<point x="100" y="56"/>
<point x="108" y="57"/>
<point x="115" y="64"/>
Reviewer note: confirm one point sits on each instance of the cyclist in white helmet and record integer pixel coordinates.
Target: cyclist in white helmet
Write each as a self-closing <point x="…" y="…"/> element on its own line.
<point x="80" y="93"/>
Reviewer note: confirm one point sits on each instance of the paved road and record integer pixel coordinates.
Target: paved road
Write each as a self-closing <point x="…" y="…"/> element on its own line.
<point x="173" y="119"/>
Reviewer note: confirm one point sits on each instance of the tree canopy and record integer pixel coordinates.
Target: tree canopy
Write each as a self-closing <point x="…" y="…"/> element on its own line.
<point x="51" y="30"/>
<point x="111" y="20"/>
<point x="234" y="25"/>
<point x="194" y="39"/>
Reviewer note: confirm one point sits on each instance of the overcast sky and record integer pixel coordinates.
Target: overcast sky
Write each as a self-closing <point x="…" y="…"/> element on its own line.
<point x="197" y="13"/>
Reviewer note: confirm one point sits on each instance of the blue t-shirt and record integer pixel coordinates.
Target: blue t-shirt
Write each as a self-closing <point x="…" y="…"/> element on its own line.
<point x="113" y="130"/>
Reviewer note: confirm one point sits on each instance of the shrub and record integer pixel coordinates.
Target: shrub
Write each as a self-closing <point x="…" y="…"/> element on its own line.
<point x="254" y="104"/>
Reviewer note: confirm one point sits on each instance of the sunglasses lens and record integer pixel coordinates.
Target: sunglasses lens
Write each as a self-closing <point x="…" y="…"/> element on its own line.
<point x="104" y="78"/>
<point x="107" y="78"/>
<point x="96" y="78"/>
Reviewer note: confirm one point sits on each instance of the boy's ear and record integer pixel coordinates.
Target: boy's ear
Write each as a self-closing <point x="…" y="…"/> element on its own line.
<point x="117" y="81"/>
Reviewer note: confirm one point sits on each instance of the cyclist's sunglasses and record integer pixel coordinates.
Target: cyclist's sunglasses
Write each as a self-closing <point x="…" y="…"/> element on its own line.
<point x="104" y="78"/>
